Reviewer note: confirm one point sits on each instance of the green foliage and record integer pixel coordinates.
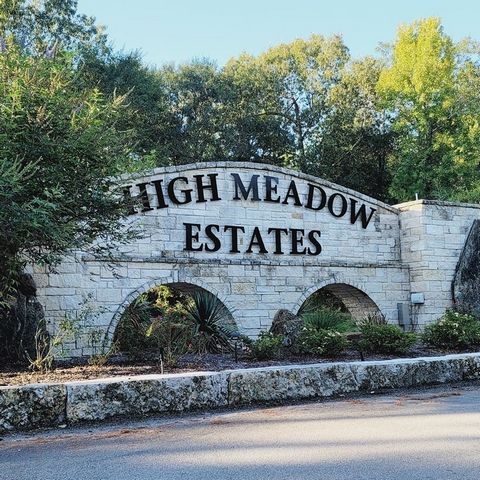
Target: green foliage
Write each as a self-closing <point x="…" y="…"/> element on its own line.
<point x="155" y="322"/>
<point x="321" y="299"/>
<point x="325" y="318"/>
<point x="322" y="329"/>
<point x="428" y="88"/>
<point x="59" y="146"/>
<point x="387" y="339"/>
<point x="267" y="346"/>
<point x="49" y="347"/>
<point x="453" y="331"/>
<point x="130" y="334"/>
<point x="320" y="342"/>
<point x="169" y="329"/>
<point x="45" y="27"/>
<point x="164" y="320"/>
<point x="372" y="319"/>
<point x="212" y="330"/>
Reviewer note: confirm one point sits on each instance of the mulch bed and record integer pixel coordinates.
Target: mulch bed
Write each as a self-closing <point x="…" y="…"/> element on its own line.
<point x="123" y="366"/>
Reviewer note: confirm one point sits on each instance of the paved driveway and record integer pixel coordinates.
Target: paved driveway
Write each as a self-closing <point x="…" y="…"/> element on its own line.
<point x="426" y="434"/>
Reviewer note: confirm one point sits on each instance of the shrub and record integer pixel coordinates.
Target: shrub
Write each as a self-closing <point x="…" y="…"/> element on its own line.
<point x="266" y="346"/>
<point x="373" y="319"/>
<point x="453" y="331"/>
<point x="325" y="318"/>
<point x="212" y="331"/>
<point x="388" y="339"/>
<point x="323" y="342"/>
<point x="155" y="322"/>
<point x="130" y="334"/>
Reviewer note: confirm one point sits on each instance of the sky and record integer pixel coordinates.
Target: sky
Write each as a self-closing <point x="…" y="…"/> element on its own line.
<point x="179" y="30"/>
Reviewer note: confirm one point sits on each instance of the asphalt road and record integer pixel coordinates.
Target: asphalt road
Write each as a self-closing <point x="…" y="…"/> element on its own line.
<point x="426" y="434"/>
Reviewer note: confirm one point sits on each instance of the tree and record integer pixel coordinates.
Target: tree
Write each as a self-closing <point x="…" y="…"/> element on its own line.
<point x="427" y="89"/>
<point x="296" y="80"/>
<point x="148" y="112"/>
<point x="356" y="139"/>
<point x="252" y="134"/>
<point x="59" y="149"/>
<point x="308" y="106"/>
<point x="195" y="102"/>
<point x="43" y="27"/>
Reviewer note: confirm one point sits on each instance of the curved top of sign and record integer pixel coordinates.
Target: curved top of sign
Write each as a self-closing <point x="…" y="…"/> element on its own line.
<point x="260" y="167"/>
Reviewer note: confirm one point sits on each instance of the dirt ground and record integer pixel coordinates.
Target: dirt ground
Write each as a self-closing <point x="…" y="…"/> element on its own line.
<point x="123" y="366"/>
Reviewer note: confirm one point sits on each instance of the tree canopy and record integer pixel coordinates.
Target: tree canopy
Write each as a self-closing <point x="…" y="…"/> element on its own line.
<point x="59" y="150"/>
<point x="74" y="113"/>
<point x="428" y="89"/>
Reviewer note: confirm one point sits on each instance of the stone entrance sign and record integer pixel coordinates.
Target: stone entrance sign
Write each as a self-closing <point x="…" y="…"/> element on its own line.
<point x="263" y="238"/>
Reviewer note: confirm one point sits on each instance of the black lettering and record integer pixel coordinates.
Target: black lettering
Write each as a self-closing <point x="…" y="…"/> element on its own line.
<point x="362" y="213"/>
<point x="343" y="208"/>
<point x="257" y="241"/>
<point x="234" y="229"/>
<point x="190" y="237"/>
<point x="292" y="192"/>
<point x="278" y="238"/>
<point x="211" y="235"/>
<point x="201" y="187"/>
<point x="144" y="196"/>
<point x="271" y="186"/>
<point x="311" y="195"/>
<point x="127" y="195"/>
<point x="160" y="196"/>
<point x="314" y="241"/>
<point x="187" y="192"/>
<point x="297" y="241"/>
<point x="252" y="187"/>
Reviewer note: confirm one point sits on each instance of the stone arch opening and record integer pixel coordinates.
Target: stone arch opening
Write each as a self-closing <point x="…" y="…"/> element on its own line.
<point x="182" y="290"/>
<point x="345" y="297"/>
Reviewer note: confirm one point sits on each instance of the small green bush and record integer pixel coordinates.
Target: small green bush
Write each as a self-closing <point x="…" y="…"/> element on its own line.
<point x="266" y="346"/>
<point x="322" y="342"/>
<point x="324" y="318"/>
<point x="453" y="331"/>
<point x="388" y="339"/>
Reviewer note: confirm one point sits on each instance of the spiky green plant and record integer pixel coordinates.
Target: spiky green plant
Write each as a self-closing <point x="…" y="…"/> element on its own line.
<point x="212" y="331"/>
<point x="324" y="318"/>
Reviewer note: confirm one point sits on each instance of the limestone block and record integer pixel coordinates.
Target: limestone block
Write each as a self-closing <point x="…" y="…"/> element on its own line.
<point x="32" y="406"/>
<point x="290" y="383"/>
<point x="145" y="394"/>
<point x="466" y="282"/>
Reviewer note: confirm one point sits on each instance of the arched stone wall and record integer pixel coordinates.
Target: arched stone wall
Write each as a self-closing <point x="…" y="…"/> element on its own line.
<point x="289" y="246"/>
<point x="357" y="302"/>
<point x="184" y="287"/>
<point x="351" y="288"/>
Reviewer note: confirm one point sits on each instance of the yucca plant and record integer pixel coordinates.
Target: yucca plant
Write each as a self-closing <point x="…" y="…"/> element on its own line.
<point x="212" y="331"/>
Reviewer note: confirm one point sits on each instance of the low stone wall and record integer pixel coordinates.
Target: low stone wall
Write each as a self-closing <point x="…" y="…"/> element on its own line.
<point x="48" y="405"/>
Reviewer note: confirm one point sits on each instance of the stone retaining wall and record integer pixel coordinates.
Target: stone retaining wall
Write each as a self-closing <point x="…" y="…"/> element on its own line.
<point x="48" y="405"/>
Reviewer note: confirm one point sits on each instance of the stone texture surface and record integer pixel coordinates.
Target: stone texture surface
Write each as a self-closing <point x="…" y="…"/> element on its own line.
<point x="287" y="324"/>
<point x="47" y="405"/>
<point x="32" y="406"/>
<point x="147" y="394"/>
<point x="466" y="282"/>
<point x="252" y="286"/>
<point x="323" y="380"/>
<point x="412" y="247"/>
<point x="433" y="234"/>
